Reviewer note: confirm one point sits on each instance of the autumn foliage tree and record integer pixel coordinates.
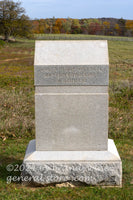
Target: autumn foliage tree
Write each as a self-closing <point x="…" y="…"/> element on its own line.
<point x="13" y="20"/>
<point x="76" y="27"/>
<point x="57" y="26"/>
<point x="35" y="26"/>
<point x="129" y="27"/>
<point x="66" y="25"/>
<point x="122" y="23"/>
<point x="117" y="29"/>
<point x="106" y="26"/>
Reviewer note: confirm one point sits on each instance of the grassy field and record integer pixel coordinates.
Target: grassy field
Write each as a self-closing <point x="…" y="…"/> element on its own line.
<point x="17" y="121"/>
<point x="80" y="37"/>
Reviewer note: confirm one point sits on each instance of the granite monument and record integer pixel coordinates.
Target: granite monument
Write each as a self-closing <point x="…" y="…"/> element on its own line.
<point x="71" y="116"/>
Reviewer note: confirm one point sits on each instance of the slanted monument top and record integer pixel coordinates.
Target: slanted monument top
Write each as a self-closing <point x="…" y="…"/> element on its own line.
<point x="71" y="52"/>
<point x="71" y="62"/>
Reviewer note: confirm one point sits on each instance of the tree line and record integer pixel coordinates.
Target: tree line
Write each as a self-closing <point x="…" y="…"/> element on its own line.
<point x="14" y="22"/>
<point x="102" y="26"/>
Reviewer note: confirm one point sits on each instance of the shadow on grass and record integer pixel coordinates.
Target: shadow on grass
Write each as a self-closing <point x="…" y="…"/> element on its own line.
<point x="10" y="168"/>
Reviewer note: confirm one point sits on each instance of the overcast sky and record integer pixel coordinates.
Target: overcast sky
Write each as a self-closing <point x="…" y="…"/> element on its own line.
<point x="78" y="8"/>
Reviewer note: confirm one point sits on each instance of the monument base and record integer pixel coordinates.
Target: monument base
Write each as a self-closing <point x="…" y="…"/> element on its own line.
<point x="89" y="167"/>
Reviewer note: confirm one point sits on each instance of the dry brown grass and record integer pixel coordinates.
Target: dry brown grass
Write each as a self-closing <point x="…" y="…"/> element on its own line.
<point x="16" y="112"/>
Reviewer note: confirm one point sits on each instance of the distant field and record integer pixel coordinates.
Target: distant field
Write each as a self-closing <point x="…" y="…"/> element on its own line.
<point x="17" y="120"/>
<point x="80" y="37"/>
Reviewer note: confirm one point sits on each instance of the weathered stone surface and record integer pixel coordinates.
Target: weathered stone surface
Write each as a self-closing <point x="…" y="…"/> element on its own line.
<point x="71" y="121"/>
<point x="71" y="75"/>
<point x="71" y="52"/>
<point x="71" y="116"/>
<point x="90" y="173"/>
<point x="73" y="89"/>
<point x="101" y="170"/>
